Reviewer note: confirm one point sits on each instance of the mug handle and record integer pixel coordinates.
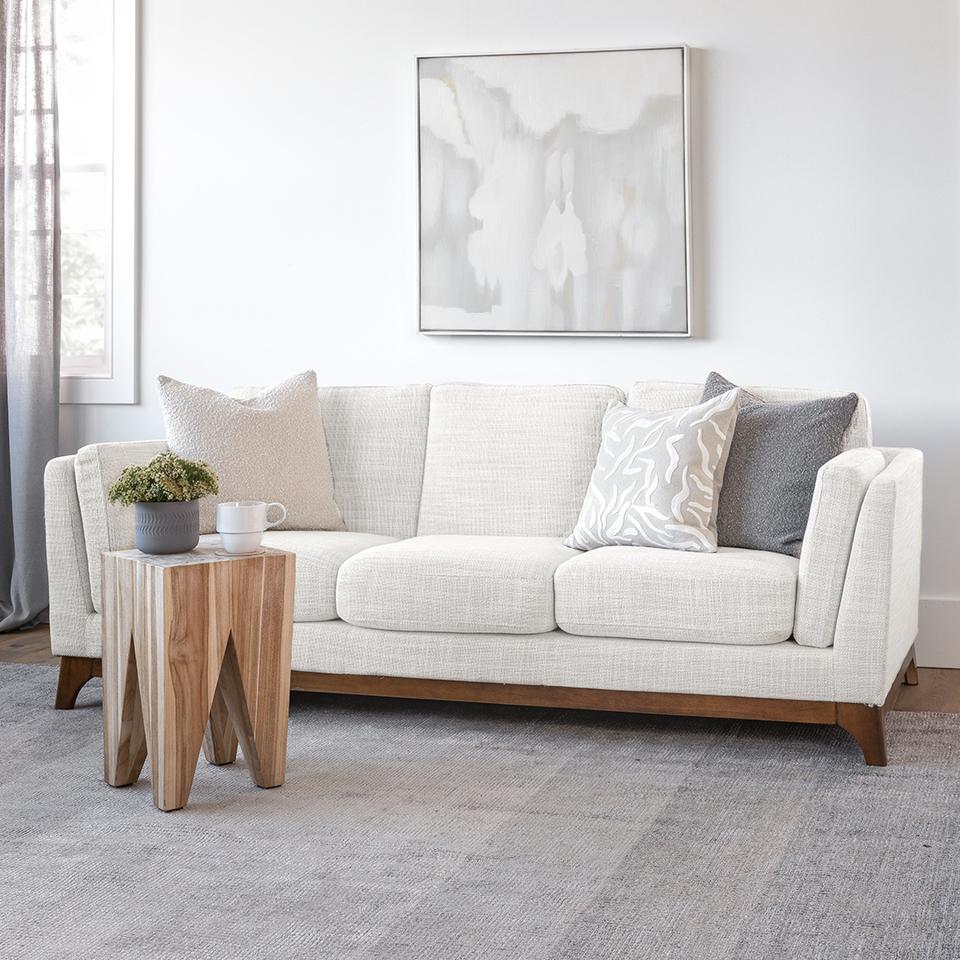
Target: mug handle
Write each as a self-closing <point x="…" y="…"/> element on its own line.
<point x="280" y="519"/>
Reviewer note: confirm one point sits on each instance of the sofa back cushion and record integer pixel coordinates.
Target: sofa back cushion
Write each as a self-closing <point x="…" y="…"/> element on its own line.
<point x="656" y="395"/>
<point x="377" y="437"/>
<point x="510" y="460"/>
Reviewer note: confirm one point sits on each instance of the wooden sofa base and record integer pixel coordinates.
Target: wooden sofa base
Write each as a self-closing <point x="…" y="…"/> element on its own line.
<point x="863" y="722"/>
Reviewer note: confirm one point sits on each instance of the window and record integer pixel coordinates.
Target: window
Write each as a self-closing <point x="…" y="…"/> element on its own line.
<point x="96" y="103"/>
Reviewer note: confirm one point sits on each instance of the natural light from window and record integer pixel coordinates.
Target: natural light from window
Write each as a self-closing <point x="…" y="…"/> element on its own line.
<point x="85" y="105"/>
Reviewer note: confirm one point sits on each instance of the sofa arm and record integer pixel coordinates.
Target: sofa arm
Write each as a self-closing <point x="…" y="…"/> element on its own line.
<point x="107" y="526"/>
<point x="878" y="616"/>
<point x="70" y="603"/>
<point x="842" y="484"/>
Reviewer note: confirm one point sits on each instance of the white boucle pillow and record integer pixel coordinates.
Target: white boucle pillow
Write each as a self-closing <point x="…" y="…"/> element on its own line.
<point x="269" y="447"/>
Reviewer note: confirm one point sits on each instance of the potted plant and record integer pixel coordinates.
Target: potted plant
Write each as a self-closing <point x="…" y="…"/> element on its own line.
<point x="165" y="493"/>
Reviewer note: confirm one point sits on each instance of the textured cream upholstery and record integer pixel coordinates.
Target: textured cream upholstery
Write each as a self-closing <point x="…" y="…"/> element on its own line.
<point x="647" y="593"/>
<point x="455" y="584"/>
<point x="472" y="618"/>
<point x="841" y="486"/>
<point x="783" y="670"/>
<point x="107" y="526"/>
<point x="877" y="621"/>
<point x="320" y="554"/>
<point x="377" y="437"/>
<point x="655" y="395"/>
<point x="508" y="460"/>
<point x="67" y="568"/>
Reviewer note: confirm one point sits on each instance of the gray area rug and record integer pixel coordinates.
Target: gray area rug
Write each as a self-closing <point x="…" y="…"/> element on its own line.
<point x="412" y="830"/>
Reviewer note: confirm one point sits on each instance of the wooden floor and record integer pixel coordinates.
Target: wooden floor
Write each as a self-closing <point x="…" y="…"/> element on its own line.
<point x="26" y="646"/>
<point x="938" y="690"/>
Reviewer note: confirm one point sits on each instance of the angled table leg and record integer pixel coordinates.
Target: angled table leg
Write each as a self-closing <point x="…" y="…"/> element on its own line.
<point x="124" y="737"/>
<point x="172" y="646"/>
<point x="255" y="675"/>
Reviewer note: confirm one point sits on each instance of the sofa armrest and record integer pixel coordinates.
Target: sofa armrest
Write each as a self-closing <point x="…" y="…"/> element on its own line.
<point x="70" y="602"/>
<point x="842" y="484"/>
<point x="107" y="526"/>
<point x="878" y="616"/>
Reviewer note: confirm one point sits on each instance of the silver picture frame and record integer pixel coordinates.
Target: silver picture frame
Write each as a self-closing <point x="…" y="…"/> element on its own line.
<point x="687" y="244"/>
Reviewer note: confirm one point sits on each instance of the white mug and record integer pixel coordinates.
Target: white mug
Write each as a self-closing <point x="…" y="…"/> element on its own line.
<point x="241" y="523"/>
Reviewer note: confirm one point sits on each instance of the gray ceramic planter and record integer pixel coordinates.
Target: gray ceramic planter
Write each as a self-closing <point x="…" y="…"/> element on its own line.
<point x="168" y="527"/>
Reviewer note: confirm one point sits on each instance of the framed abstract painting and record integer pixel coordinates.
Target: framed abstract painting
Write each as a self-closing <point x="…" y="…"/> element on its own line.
<point x="554" y="193"/>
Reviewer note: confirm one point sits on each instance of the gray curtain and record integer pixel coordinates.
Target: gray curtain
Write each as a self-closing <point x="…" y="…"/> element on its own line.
<point x="29" y="301"/>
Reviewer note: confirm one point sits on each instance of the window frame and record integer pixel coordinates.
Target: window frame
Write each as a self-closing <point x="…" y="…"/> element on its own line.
<point x="123" y="252"/>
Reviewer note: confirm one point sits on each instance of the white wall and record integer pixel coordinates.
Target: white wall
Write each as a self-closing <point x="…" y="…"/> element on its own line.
<point x="279" y="209"/>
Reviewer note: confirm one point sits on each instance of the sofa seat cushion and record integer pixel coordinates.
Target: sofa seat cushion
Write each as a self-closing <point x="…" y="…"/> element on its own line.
<point x="319" y="556"/>
<point x="731" y="596"/>
<point x="456" y="584"/>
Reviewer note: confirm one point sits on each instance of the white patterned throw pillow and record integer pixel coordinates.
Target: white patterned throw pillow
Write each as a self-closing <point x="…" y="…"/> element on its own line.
<point x="658" y="477"/>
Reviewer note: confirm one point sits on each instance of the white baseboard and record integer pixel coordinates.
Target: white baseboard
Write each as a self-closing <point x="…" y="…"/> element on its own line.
<point x="938" y="644"/>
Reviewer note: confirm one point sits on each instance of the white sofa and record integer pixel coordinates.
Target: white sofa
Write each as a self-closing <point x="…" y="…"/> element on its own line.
<point x="451" y="580"/>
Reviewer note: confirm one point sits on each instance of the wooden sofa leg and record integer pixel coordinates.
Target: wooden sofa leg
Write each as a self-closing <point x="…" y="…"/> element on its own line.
<point x="865" y="725"/>
<point x="910" y="676"/>
<point x="74" y="673"/>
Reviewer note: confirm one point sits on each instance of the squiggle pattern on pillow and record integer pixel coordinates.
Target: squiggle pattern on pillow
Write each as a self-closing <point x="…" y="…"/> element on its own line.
<point x="658" y="477"/>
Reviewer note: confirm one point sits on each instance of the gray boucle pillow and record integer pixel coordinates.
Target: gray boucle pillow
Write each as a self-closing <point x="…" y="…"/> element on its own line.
<point x="777" y="450"/>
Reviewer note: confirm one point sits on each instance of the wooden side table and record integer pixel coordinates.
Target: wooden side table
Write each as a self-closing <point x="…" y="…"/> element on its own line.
<point x="196" y="650"/>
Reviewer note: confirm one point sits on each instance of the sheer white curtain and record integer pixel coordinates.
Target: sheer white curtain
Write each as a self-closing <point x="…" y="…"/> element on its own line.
<point x="29" y="301"/>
